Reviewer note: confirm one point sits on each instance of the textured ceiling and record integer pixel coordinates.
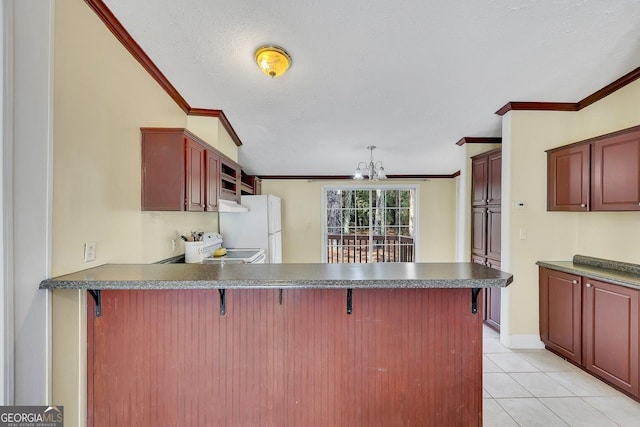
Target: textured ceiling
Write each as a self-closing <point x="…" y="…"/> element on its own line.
<point x="410" y="76"/>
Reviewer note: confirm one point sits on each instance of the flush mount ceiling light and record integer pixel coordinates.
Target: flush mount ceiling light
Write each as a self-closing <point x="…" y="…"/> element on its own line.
<point x="274" y="61"/>
<point x="374" y="169"/>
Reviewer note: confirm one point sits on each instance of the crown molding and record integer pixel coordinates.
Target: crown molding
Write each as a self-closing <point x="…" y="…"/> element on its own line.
<point x="350" y="177"/>
<point x="479" y="140"/>
<point x="219" y="114"/>
<point x="118" y="30"/>
<point x="610" y="88"/>
<point x="537" y="106"/>
<point x="573" y="106"/>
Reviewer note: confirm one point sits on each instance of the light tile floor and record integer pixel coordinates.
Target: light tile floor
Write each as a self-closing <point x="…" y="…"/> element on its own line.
<point x="537" y="388"/>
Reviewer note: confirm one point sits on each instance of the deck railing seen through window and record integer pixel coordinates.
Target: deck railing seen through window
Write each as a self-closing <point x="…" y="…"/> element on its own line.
<point x="370" y="225"/>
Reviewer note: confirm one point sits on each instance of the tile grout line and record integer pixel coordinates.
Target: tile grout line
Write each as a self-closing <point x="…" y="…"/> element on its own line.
<point x="545" y="373"/>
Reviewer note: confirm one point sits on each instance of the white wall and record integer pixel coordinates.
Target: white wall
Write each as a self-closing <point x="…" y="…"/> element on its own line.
<point x="555" y="235"/>
<point x="302" y="217"/>
<point x="31" y="191"/>
<point x="463" y="191"/>
<point x="6" y="292"/>
<point x="102" y="97"/>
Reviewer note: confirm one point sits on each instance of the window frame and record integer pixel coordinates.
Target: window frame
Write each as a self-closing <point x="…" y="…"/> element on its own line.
<point x="370" y="186"/>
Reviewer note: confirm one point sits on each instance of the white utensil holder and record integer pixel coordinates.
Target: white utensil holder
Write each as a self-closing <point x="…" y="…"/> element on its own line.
<point x="193" y="252"/>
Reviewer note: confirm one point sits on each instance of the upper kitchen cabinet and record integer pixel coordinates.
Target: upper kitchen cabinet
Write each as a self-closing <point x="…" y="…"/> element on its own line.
<point x="195" y="172"/>
<point x="568" y="178"/>
<point x="212" y="180"/>
<point x="494" y="178"/>
<point x="250" y="185"/>
<point x="181" y="172"/>
<point x="616" y="173"/>
<point x="599" y="174"/>
<point x="479" y="180"/>
<point x="486" y="181"/>
<point x="230" y="180"/>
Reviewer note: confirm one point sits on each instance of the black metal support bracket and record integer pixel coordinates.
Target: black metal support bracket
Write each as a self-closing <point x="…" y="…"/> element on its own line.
<point x="223" y="309"/>
<point x="474" y="300"/>
<point x="97" y="298"/>
<point x="280" y="296"/>
<point x="349" y="301"/>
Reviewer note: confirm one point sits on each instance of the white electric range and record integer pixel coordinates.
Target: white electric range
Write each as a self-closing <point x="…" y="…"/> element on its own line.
<point x="213" y="241"/>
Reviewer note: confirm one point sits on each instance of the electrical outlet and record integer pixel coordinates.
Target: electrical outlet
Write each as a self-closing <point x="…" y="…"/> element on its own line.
<point x="89" y="251"/>
<point x="173" y="245"/>
<point x="523" y="234"/>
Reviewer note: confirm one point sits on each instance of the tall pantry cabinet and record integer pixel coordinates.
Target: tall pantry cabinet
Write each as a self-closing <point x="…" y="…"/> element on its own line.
<point x="486" y="201"/>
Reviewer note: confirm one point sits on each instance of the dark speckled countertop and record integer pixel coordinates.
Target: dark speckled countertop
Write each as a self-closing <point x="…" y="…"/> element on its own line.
<point x="616" y="272"/>
<point x="239" y="276"/>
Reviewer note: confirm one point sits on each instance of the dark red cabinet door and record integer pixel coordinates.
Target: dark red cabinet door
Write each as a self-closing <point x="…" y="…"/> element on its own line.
<point x="479" y="232"/>
<point x="213" y="181"/>
<point x="163" y="170"/>
<point x="494" y="224"/>
<point x="560" y="313"/>
<point x="494" y="178"/>
<point x="568" y="178"/>
<point x="493" y="301"/>
<point x="611" y="331"/>
<point x="616" y="173"/>
<point x="195" y="175"/>
<point x="479" y="179"/>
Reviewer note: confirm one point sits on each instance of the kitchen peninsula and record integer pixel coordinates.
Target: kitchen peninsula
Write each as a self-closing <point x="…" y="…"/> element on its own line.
<point x="284" y="344"/>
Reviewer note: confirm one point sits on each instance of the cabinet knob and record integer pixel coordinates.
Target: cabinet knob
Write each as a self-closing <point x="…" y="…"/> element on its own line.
<point x="583" y="205"/>
<point x="575" y="282"/>
<point x="588" y="285"/>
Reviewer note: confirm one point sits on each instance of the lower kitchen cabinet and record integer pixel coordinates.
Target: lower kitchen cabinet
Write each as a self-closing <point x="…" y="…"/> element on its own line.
<point x="560" y="313"/>
<point x="491" y="296"/>
<point x="492" y="301"/>
<point x="611" y="333"/>
<point x="593" y="323"/>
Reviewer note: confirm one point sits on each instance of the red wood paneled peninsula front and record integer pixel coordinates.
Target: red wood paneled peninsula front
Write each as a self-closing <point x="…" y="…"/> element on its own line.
<point x="409" y="353"/>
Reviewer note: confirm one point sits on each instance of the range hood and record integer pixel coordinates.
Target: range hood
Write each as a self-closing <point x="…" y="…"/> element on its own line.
<point x="230" y="206"/>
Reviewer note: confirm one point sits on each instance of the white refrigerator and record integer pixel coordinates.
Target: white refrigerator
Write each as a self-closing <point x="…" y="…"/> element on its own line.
<point x="260" y="227"/>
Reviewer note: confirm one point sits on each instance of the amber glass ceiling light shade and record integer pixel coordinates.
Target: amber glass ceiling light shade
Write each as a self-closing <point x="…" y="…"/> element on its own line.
<point x="274" y="61"/>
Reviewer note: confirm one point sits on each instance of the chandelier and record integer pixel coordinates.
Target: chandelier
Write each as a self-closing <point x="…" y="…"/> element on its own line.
<point x="374" y="170"/>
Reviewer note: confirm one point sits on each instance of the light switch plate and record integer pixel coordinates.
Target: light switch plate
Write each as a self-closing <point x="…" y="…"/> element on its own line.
<point x="523" y="234"/>
<point x="89" y="251"/>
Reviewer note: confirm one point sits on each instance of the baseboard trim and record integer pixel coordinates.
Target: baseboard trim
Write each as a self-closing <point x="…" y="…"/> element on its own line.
<point x="522" y="341"/>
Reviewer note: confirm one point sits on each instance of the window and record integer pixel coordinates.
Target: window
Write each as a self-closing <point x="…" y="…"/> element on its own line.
<point x="369" y="224"/>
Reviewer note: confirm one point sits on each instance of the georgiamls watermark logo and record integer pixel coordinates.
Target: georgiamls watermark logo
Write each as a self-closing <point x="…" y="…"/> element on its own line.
<point x="31" y="416"/>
